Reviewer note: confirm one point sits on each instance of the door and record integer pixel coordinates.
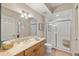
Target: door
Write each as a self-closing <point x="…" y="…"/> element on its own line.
<point x="48" y="33"/>
<point x="51" y="35"/>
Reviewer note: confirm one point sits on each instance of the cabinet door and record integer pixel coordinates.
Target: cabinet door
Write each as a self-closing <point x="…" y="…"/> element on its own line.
<point x="41" y="50"/>
<point x="36" y="50"/>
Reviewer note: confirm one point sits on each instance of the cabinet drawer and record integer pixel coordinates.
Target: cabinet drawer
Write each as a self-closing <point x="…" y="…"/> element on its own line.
<point x="21" y="54"/>
<point x="28" y="52"/>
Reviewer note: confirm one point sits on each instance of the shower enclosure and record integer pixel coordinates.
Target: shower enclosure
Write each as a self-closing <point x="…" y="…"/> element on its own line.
<point x="58" y="33"/>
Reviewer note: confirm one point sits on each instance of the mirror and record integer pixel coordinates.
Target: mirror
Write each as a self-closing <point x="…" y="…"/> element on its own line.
<point x="41" y="26"/>
<point x="13" y="26"/>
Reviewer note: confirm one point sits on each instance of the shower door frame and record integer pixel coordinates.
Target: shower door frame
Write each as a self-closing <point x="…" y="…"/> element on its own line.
<point x="56" y="34"/>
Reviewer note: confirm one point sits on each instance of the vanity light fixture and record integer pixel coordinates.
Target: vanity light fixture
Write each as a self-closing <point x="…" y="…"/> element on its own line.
<point x="25" y="15"/>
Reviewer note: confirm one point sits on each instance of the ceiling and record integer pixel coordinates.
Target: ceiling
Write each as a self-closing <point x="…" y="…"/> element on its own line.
<point x="47" y="9"/>
<point x="40" y="8"/>
<point x="55" y="4"/>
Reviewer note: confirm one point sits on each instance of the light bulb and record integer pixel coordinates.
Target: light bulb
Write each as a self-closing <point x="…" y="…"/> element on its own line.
<point x="25" y="15"/>
<point x="30" y="15"/>
<point x="22" y="15"/>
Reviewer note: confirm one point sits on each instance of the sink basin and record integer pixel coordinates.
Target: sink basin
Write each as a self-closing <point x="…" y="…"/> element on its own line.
<point x="7" y="45"/>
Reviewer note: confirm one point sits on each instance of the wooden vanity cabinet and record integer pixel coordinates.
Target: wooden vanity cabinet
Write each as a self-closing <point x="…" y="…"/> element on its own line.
<point x="36" y="50"/>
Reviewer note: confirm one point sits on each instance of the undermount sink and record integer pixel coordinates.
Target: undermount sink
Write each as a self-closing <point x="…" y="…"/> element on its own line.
<point x="7" y="45"/>
<point x="22" y="41"/>
<point x="25" y="40"/>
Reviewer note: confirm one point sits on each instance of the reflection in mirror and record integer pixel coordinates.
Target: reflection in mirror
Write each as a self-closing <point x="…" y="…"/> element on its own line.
<point x="24" y="28"/>
<point x="13" y="26"/>
<point x="34" y="29"/>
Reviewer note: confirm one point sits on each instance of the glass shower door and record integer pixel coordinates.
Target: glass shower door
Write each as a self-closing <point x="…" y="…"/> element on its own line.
<point x="63" y="35"/>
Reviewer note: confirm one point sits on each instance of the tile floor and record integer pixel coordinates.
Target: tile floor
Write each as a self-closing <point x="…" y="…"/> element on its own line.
<point x="56" y="52"/>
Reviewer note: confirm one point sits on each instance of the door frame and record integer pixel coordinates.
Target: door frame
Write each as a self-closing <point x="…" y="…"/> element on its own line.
<point x="74" y="30"/>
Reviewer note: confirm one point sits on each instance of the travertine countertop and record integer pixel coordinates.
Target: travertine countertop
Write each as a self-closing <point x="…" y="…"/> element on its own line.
<point x="20" y="47"/>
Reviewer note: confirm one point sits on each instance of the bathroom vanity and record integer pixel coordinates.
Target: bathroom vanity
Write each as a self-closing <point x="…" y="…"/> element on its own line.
<point x="30" y="48"/>
<point x="35" y="50"/>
